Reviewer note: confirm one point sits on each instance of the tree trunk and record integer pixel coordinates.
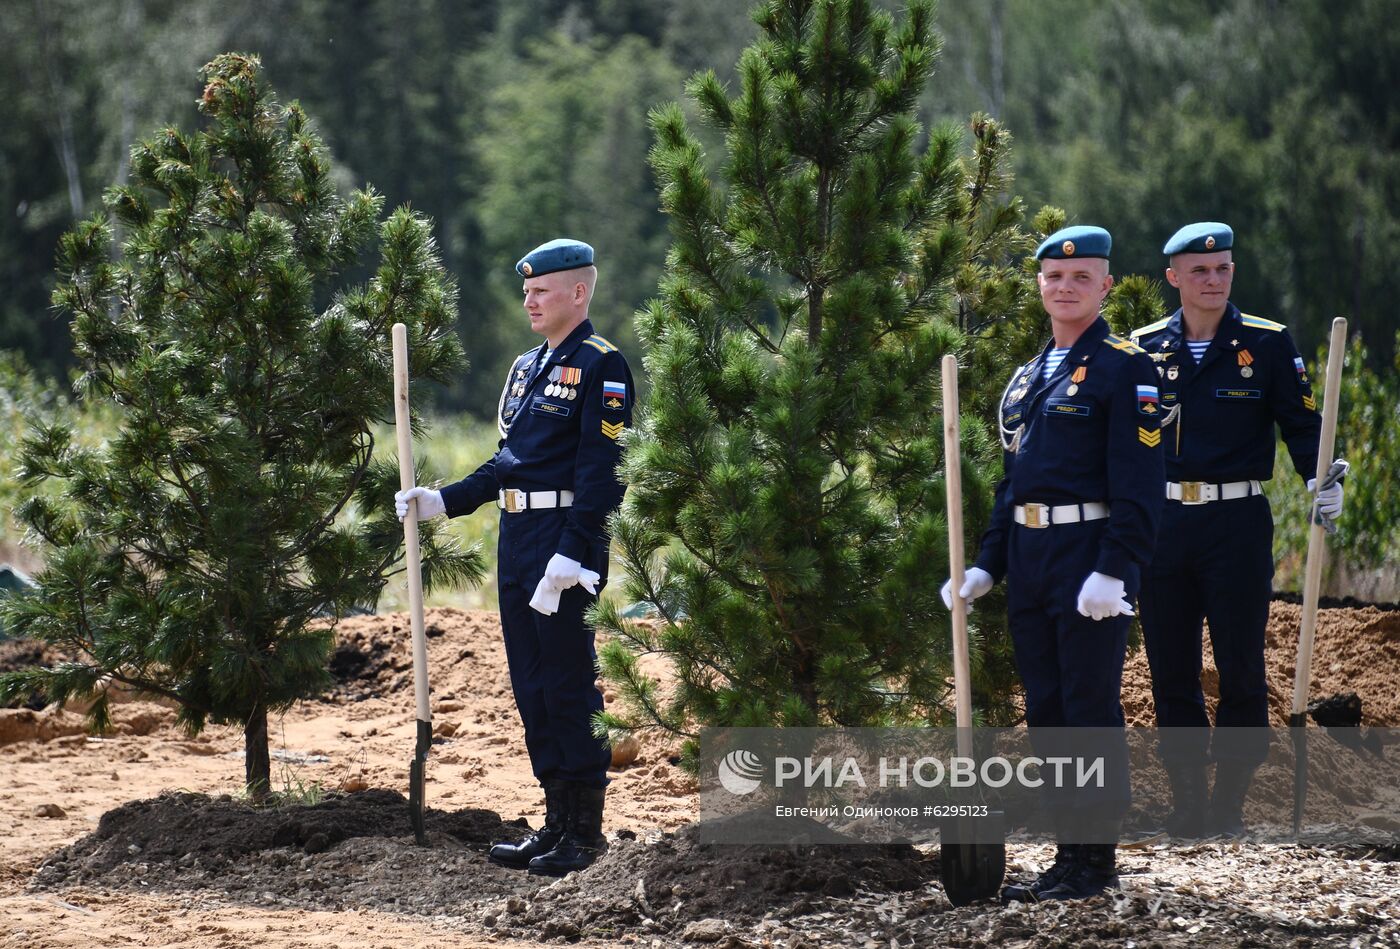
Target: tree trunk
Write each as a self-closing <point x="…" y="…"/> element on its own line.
<point x="257" y="765"/>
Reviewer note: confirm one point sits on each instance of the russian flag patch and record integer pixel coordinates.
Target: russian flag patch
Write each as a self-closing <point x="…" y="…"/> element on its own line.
<point x="614" y="394"/>
<point x="1147" y="400"/>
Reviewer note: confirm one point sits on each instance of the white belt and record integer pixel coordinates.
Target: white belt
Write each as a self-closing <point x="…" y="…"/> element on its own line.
<point x="1201" y="492"/>
<point x="512" y="500"/>
<point x="1043" y="515"/>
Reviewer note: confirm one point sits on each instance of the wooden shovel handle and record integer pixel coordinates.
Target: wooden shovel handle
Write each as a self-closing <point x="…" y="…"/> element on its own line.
<point x="412" y="563"/>
<point x="1317" y="535"/>
<point x="952" y="465"/>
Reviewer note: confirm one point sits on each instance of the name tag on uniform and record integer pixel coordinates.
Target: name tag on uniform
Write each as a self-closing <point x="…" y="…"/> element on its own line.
<point x="1012" y="417"/>
<point x="541" y="407"/>
<point x="1239" y="393"/>
<point x="1061" y="407"/>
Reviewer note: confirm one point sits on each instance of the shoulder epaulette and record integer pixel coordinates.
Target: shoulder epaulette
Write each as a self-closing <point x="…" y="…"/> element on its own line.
<point x="1119" y="343"/>
<point x="1259" y="323"/>
<point x="1150" y="328"/>
<point x="600" y="344"/>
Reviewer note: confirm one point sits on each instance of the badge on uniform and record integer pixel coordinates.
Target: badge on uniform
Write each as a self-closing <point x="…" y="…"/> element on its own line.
<point x="1244" y="359"/>
<point x="1075" y="378"/>
<point x="614" y="394"/>
<point x="1147" y="400"/>
<point x="1150" y="437"/>
<point x="1173" y="372"/>
<point x="612" y="430"/>
<point x="562" y="379"/>
<point x="1302" y="370"/>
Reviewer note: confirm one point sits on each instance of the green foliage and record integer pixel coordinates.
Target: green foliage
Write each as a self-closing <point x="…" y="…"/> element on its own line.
<point x="785" y="514"/>
<point x="188" y="555"/>
<point x="1368" y="436"/>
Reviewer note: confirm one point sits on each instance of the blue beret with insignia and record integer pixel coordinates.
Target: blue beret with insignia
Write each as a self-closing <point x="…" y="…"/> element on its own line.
<point x="1207" y="237"/>
<point x="559" y="254"/>
<point x="1075" y="242"/>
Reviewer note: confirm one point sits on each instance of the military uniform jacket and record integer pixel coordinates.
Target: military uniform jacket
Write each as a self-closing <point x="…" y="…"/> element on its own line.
<point x="560" y="421"/>
<point x="1090" y="433"/>
<point x="1219" y="416"/>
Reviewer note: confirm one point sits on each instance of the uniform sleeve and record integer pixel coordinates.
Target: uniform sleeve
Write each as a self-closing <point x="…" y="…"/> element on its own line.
<point x="605" y="414"/>
<point x="1294" y="407"/>
<point x="1136" y="470"/>
<point x="992" y="551"/>
<point x="465" y="496"/>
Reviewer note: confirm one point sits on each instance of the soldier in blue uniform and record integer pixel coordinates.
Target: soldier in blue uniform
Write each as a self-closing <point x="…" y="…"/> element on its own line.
<point x="1074" y="521"/>
<point x="554" y="475"/>
<point x="1227" y="379"/>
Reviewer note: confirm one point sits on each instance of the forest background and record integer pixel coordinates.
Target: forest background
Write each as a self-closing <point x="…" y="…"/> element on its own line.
<point x="512" y="123"/>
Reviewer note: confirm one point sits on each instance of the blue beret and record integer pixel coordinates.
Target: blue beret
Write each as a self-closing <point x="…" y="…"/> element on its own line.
<point x="1075" y="242"/>
<point x="560" y="254"/>
<point x="1206" y="237"/>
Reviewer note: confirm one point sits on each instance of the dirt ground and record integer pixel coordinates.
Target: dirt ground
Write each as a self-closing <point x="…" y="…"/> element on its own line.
<point x="136" y="838"/>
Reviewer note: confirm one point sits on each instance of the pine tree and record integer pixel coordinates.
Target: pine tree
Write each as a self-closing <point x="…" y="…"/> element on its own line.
<point x="785" y="519"/>
<point x="191" y="555"/>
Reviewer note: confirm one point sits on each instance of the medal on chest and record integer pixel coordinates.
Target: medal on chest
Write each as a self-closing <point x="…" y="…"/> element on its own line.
<point x="1076" y="377"/>
<point x="562" y="382"/>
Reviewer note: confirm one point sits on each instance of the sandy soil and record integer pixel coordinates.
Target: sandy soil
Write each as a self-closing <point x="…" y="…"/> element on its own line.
<point x="656" y="887"/>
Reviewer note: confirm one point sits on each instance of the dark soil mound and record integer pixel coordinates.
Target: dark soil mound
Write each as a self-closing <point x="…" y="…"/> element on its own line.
<point x="675" y="884"/>
<point x="180" y="829"/>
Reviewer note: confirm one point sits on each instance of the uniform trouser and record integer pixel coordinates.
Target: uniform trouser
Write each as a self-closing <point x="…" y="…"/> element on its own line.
<point x="1071" y="666"/>
<point x="1213" y="562"/>
<point x="551" y="658"/>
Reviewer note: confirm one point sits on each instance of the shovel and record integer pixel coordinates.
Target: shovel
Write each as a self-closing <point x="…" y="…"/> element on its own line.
<point x="416" y="769"/>
<point x="973" y="866"/>
<point x="1312" y="576"/>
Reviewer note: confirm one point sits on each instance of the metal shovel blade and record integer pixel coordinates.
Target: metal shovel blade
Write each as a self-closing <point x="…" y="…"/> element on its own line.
<point x="1298" y="728"/>
<point x="417" y="781"/>
<point x="973" y="867"/>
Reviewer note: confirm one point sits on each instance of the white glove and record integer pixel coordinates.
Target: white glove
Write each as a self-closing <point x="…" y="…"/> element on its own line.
<point x="976" y="582"/>
<point x="1102" y="597"/>
<point x="1329" y="499"/>
<point x="559" y="574"/>
<point x="563" y="572"/>
<point x="546" y="598"/>
<point x="430" y="503"/>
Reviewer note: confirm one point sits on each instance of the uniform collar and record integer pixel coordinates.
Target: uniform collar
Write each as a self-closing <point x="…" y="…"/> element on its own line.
<point x="1080" y="354"/>
<point x="1174" y="335"/>
<point x="571" y="343"/>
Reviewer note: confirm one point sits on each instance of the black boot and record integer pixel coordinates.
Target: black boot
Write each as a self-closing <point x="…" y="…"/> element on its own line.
<point x="1232" y="781"/>
<point x="1187" y="820"/>
<point x="1095" y="870"/>
<point x="542" y="841"/>
<point x="1065" y="854"/>
<point x="583" y="840"/>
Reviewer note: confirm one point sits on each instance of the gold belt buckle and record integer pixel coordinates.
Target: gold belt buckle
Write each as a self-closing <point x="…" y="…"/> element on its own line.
<point x="514" y="500"/>
<point x="1035" y="515"/>
<point x="1191" y="492"/>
